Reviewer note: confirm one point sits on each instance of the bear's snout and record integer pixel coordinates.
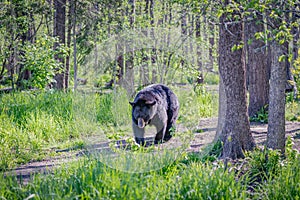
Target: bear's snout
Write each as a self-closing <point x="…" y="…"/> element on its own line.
<point x="141" y="123"/>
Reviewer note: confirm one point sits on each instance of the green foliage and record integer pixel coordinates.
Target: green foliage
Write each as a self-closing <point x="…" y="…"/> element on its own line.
<point x="281" y="175"/>
<point x="39" y="59"/>
<point x="296" y="72"/>
<point x="114" y="108"/>
<point x="292" y="111"/>
<point x="261" y="116"/>
<point x="195" y="104"/>
<point x="213" y="152"/>
<point x="264" y="165"/>
<point x="267" y="164"/>
<point x="102" y="80"/>
<point x="211" y="79"/>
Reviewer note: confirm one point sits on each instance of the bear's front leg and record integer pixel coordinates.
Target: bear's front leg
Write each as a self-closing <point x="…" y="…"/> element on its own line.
<point x="159" y="138"/>
<point x="138" y="134"/>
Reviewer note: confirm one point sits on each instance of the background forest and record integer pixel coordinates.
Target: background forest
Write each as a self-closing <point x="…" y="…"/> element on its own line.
<point x="69" y="67"/>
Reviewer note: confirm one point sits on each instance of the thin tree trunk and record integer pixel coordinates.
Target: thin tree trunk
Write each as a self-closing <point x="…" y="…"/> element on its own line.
<point x="59" y="31"/>
<point x="211" y="40"/>
<point x="69" y="29"/>
<point x="257" y="68"/>
<point x="200" y="78"/>
<point x="291" y="84"/>
<point x="74" y="47"/>
<point x="276" y="118"/>
<point x="295" y="52"/>
<point x="153" y="51"/>
<point x="221" y="111"/>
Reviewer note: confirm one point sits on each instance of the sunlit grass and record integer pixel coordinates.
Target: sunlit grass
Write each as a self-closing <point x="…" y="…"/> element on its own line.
<point x="184" y="178"/>
<point x="196" y="103"/>
<point x="292" y="111"/>
<point x="32" y="122"/>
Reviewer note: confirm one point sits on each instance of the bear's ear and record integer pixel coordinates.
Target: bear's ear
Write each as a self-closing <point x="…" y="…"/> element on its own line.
<point x="131" y="103"/>
<point x="150" y="103"/>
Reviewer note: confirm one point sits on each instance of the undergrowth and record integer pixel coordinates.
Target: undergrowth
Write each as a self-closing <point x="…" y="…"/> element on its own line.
<point x="263" y="174"/>
<point x="34" y="123"/>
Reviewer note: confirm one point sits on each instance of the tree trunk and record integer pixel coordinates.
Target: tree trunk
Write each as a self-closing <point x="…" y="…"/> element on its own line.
<point x="74" y="47"/>
<point x="236" y="136"/>
<point x="211" y="40"/>
<point x="291" y="84"/>
<point x="128" y="80"/>
<point x="200" y="78"/>
<point x="276" y="119"/>
<point x="59" y="31"/>
<point x="221" y="111"/>
<point x="295" y="49"/>
<point x="144" y="70"/>
<point x="257" y="68"/>
<point x="153" y="51"/>
<point x="69" y="29"/>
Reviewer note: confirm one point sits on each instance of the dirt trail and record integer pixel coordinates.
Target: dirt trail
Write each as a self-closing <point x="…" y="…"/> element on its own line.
<point x="205" y="136"/>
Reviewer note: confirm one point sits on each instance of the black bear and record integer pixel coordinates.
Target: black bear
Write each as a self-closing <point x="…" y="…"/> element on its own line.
<point x="154" y="105"/>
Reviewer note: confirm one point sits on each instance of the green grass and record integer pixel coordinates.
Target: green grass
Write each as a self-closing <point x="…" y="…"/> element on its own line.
<point x="292" y="111"/>
<point x="34" y="125"/>
<point x="31" y="124"/>
<point x="90" y="179"/>
<point x="195" y="104"/>
<point x="187" y="177"/>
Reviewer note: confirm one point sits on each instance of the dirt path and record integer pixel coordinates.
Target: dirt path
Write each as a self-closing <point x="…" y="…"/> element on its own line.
<point x="205" y="136"/>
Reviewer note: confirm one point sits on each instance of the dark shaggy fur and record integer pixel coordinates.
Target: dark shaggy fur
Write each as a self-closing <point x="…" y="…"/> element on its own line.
<point x="154" y="105"/>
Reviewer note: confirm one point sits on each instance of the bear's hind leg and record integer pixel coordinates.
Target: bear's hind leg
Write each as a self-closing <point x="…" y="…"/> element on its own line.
<point x="169" y="131"/>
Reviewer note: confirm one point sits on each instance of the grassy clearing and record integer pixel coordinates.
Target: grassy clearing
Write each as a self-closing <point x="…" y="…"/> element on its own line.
<point x="262" y="175"/>
<point x="90" y="179"/>
<point x="196" y="103"/>
<point x="33" y="125"/>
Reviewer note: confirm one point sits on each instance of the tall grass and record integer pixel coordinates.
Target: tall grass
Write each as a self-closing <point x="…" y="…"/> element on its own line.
<point x="33" y="122"/>
<point x="186" y="178"/>
<point x="90" y="179"/>
<point x="196" y="103"/>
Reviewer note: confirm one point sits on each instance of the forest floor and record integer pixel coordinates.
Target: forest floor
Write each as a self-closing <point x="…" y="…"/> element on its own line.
<point x="205" y="134"/>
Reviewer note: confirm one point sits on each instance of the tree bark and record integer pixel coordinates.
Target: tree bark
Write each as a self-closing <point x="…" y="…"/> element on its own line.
<point x="200" y="78"/>
<point x="59" y="31"/>
<point x="221" y="111"/>
<point x="295" y="49"/>
<point x="211" y="40"/>
<point x="276" y="119"/>
<point x="257" y="68"/>
<point x="236" y="136"/>
<point x="69" y="30"/>
<point x="74" y="47"/>
<point x="153" y="50"/>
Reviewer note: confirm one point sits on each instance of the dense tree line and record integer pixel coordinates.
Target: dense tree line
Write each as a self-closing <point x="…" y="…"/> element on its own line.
<point x="45" y="44"/>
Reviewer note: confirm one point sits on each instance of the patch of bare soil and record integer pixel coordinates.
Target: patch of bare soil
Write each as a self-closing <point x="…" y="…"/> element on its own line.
<point x="204" y="134"/>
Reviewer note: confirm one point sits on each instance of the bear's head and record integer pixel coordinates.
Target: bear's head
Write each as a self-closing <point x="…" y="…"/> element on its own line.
<point x="143" y="110"/>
